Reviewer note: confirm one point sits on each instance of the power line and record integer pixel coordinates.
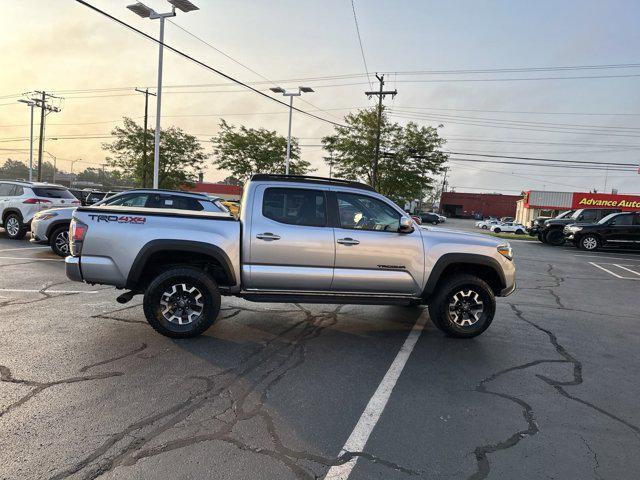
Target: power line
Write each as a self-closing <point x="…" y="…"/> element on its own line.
<point x="549" y="165"/>
<point x="364" y="59"/>
<point x="202" y="64"/>
<point x="635" y="165"/>
<point x="527" y="112"/>
<point x="521" y="122"/>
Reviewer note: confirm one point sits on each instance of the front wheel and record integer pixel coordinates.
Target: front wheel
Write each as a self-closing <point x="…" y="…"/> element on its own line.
<point x="14" y="227"/>
<point x="519" y="232"/>
<point x="182" y="302"/>
<point x="60" y="241"/>
<point x="463" y="306"/>
<point x="555" y="237"/>
<point x="496" y="230"/>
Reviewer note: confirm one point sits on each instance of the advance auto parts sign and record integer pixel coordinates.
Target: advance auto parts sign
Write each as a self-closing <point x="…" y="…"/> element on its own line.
<point x="626" y="203"/>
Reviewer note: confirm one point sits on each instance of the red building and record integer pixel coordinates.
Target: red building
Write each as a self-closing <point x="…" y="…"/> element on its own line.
<point x="466" y="205"/>
<point x="222" y="190"/>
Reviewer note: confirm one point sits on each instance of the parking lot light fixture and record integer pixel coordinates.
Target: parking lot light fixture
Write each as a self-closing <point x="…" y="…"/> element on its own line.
<point x="143" y="11"/>
<point x="290" y="94"/>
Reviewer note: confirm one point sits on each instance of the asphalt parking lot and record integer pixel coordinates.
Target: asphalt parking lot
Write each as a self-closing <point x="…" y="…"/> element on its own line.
<point x="89" y="390"/>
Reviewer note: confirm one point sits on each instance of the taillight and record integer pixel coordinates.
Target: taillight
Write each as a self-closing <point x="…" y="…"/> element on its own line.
<point x="77" y="232"/>
<point x="36" y="201"/>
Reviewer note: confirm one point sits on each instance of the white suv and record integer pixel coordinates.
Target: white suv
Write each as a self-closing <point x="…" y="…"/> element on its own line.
<point x="20" y="201"/>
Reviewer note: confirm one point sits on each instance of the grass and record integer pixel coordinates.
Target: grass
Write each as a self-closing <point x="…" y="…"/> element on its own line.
<point x="509" y="236"/>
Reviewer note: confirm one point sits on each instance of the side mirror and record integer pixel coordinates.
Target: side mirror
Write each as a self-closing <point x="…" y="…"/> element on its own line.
<point x="406" y="225"/>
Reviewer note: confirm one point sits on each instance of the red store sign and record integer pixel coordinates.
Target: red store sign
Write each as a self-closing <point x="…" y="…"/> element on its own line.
<point x="627" y="203"/>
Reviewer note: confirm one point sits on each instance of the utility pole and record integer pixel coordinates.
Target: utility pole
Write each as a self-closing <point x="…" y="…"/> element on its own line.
<point x="442" y="190"/>
<point x="41" y="102"/>
<point x="381" y="93"/>
<point x="144" y="148"/>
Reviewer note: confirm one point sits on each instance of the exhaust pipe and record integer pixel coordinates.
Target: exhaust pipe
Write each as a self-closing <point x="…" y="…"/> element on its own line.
<point x="125" y="297"/>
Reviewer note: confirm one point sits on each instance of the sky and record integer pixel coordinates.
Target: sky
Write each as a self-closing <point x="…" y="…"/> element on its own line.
<point x="94" y="64"/>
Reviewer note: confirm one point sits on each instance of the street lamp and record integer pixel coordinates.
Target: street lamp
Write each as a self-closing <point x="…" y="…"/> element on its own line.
<point x="290" y="94"/>
<point x="31" y="104"/>
<point x="143" y="11"/>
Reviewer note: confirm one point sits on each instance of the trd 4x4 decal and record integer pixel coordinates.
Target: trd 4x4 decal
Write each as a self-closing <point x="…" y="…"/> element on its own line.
<point x="117" y="219"/>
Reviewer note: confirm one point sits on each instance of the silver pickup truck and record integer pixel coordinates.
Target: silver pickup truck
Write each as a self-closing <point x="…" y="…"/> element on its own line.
<point x="298" y="239"/>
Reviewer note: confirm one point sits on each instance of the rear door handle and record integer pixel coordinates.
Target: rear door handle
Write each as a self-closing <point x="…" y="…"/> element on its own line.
<point x="348" y="241"/>
<point x="268" y="236"/>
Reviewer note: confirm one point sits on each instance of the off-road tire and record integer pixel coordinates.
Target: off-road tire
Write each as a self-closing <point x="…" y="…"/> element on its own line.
<point x="555" y="237"/>
<point x="439" y="305"/>
<point x="589" y="242"/>
<point x="175" y="277"/>
<point x="13" y="227"/>
<point x="56" y="243"/>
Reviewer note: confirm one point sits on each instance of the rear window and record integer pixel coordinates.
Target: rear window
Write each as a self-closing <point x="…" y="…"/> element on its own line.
<point x="49" y="192"/>
<point x="295" y="206"/>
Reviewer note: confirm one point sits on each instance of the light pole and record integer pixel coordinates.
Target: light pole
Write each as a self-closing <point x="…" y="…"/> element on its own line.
<point x="146" y="12"/>
<point x="31" y="104"/>
<point x="290" y="94"/>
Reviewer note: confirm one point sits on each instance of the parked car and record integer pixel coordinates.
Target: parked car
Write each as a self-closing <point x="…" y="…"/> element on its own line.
<point x="51" y="227"/>
<point x="509" y="227"/>
<point x="298" y="239"/>
<point x="20" y="201"/>
<point x="430" y="217"/>
<point x="442" y="218"/>
<point x="487" y="224"/>
<point x="552" y="231"/>
<point x="622" y="229"/>
<point x="536" y="224"/>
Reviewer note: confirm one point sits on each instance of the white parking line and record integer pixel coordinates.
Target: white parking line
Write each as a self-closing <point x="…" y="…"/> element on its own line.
<point x="606" y="270"/>
<point x="21" y="248"/>
<point x="635" y="259"/>
<point x="627" y="269"/>
<point x="26" y="290"/>
<point x="34" y="259"/>
<point x="369" y="418"/>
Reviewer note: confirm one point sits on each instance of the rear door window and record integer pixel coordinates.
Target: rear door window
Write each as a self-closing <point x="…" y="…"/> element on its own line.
<point x="295" y="206"/>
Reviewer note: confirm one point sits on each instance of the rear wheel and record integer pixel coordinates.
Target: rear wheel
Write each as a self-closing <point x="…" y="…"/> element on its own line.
<point x="589" y="243"/>
<point x="182" y="302"/>
<point x="484" y="227"/>
<point x="14" y="227"/>
<point x="463" y="306"/>
<point x="519" y="232"/>
<point x="555" y="237"/>
<point x="59" y="241"/>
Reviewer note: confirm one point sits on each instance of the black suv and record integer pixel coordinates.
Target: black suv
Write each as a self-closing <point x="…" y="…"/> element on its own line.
<point x="430" y="217"/>
<point x="615" y="229"/>
<point x="552" y="231"/>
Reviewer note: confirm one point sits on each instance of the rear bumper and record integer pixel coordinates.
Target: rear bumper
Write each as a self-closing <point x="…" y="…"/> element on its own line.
<point x="72" y="268"/>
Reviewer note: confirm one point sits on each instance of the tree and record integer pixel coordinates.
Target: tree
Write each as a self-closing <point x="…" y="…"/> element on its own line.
<point x="105" y="178"/>
<point x="14" y="170"/>
<point x="244" y="151"/>
<point x="409" y="156"/>
<point x="181" y="155"/>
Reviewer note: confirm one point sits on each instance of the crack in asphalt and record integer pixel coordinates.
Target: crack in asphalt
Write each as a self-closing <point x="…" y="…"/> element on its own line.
<point x="481" y="453"/>
<point x="269" y="363"/>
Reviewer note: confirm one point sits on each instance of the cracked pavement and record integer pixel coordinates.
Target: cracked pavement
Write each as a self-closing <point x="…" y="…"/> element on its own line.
<point x="88" y="390"/>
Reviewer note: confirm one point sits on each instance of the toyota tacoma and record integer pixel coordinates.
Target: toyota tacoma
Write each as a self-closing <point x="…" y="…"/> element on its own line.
<point x="298" y="239"/>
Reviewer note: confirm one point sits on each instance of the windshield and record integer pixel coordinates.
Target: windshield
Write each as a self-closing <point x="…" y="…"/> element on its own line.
<point x="575" y="214"/>
<point x="565" y="214"/>
<point x="607" y="218"/>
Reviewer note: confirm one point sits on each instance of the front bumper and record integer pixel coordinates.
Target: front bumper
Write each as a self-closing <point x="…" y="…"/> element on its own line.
<point x="72" y="268"/>
<point x="508" y="291"/>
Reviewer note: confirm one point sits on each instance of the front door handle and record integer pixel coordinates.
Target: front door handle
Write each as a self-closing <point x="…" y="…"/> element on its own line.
<point x="268" y="236"/>
<point x="348" y="241"/>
